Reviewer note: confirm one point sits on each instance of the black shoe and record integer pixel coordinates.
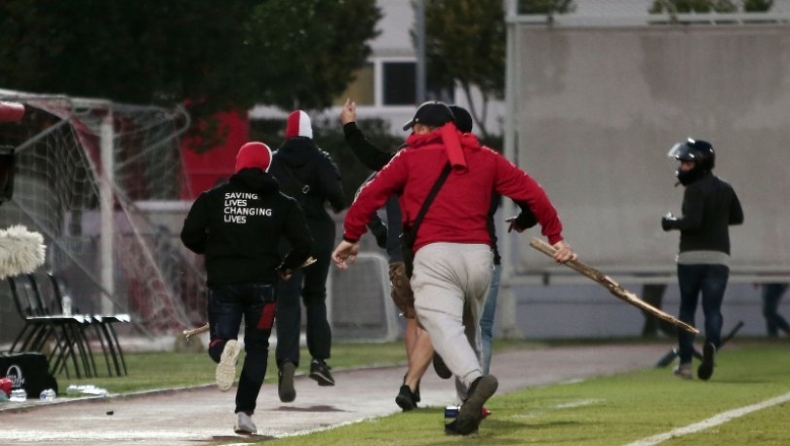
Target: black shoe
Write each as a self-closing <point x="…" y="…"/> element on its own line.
<point x="285" y="386"/>
<point x="440" y="367"/>
<point x="320" y="372"/>
<point x="451" y="428"/>
<point x="705" y="370"/>
<point x="471" y="413"/>
<point x="416" y="393"/>
<point x="405" y="399"/>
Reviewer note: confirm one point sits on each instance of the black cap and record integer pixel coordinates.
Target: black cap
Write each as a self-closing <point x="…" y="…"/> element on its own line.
<point x="463" y="120"/>
<point x="432" y="113"/>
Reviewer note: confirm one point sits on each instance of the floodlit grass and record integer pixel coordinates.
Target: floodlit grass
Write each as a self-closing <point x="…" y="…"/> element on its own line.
<point x="613" y="410"/>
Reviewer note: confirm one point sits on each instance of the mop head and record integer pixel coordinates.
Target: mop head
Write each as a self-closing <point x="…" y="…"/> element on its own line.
<point x="21" y="251"/>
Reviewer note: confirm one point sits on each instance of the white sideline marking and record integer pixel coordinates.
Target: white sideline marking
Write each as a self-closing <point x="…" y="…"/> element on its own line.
<point x="710" y="422"/>
<point x="580" y="403"/>
<point x="570" y="405"/>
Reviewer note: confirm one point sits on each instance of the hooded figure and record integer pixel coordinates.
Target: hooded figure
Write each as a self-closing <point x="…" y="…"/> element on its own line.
<point x="310" y="176"/>
<point x="238" y="226"/>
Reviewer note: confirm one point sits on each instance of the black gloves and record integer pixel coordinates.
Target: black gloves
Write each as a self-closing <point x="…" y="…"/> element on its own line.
<point x="379" y="230"/>
<point x="525" y="220"/>
<point x="669" y="222"/>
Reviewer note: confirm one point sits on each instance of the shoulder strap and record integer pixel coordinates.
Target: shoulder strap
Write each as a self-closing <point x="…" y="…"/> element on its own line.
<point x="301" y="186"/>
<point x="429" y="199"/>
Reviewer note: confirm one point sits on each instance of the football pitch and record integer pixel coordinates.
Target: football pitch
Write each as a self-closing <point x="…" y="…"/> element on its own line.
<point x="744" y="403"/>
<point x="557" y="393"/>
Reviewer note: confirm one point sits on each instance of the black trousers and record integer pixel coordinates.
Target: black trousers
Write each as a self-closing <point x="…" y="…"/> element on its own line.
<point x="309" y="283"/>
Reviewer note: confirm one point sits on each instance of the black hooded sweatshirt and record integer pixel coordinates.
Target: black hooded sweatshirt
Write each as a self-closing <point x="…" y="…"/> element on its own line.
<point x="239" y="226"/>
<point x="299" y="165"/>
<point x="300" y="158"/>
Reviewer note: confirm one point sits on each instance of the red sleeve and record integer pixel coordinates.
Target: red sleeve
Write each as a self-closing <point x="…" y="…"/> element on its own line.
<point x="373" y="195"/>
<point x="514" y="183"/>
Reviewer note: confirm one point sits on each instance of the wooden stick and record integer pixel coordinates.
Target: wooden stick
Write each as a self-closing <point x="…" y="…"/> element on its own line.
<point x="195" y="331"/>
<point x="613" y="287"/>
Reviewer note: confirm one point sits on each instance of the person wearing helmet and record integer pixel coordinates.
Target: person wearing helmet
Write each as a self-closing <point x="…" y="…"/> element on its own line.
<point x="710" y="206"/>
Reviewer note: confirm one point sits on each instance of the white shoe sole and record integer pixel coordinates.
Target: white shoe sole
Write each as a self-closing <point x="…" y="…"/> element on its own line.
<point x="245" y="431"/>
<point x="226" y="369"/>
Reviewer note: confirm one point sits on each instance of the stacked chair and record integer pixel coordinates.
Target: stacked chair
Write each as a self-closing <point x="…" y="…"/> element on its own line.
<point x="38" y="298"/>
<point x="104" y="326"/>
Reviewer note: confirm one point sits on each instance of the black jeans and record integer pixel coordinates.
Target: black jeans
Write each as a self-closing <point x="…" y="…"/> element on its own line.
<point x="772" y="295"/>
<point x="310" y="284"/>
<point x="711" y="282"/>
<point x="226" y="306"/>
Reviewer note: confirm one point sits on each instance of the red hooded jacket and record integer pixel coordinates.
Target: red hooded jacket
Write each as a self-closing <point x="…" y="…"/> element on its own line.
<point x="458" y="213"/>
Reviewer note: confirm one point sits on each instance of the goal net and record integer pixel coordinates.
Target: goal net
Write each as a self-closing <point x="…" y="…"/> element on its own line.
<point x="83" y="166"/>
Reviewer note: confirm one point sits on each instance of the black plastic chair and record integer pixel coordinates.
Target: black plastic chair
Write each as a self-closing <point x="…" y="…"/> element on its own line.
<point x="50" y="300"/>
<point x="104" y="324"/>
<point x="41" y="328"/>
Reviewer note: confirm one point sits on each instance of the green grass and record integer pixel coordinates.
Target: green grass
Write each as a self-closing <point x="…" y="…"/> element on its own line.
<point x="613" y="410"/>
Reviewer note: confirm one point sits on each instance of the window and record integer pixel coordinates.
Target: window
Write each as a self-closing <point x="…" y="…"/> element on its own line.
<point x="399" y="83"/>
<point x="362" y="90"/>
<point x="398" y="86"/>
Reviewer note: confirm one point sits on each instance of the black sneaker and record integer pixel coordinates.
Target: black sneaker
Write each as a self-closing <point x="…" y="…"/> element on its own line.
<point x="416" y="393"/>
<point x="285" y="385"/>
<point x="705" y="370"/>
<point x="440" y="367"/>
<point x="405" y="399"/>
<point x="471" y="413"/>
<point x="320" y="372"/>
<point x="451" y="428"/>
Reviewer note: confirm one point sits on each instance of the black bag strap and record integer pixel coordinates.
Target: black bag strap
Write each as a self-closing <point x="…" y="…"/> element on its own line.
<point x="302" y="186"/>
<point x="429" y="199"/>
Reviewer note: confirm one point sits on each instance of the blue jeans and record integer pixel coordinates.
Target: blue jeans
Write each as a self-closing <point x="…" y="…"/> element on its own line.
<point x="226" y="306"/>
<point x="487" y="318"/>
<point x="711" y="282"/>
<point x="772" y="295"/>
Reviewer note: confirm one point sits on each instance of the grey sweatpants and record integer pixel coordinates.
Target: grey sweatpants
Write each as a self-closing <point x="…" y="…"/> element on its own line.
<point x="447" y="277"/>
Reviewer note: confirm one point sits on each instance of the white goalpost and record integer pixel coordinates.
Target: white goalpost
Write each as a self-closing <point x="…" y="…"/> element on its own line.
<point x="82" y="167"/>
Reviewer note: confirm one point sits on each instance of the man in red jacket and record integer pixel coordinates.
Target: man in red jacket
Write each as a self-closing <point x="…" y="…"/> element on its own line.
<point x="453" y="259"/>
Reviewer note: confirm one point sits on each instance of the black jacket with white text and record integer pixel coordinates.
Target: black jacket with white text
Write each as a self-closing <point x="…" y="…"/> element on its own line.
<point x="238" y="227"/>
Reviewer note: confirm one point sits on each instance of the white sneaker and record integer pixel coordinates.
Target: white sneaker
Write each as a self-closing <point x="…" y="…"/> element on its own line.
<point x="244" y="424"/>
<point x="226" y="369"/>
<point x="683" y="371"/>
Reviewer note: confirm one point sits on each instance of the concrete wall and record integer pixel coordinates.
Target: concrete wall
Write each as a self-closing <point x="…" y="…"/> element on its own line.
<point x="589" y="311"/>
<point x="599" y="108"/>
